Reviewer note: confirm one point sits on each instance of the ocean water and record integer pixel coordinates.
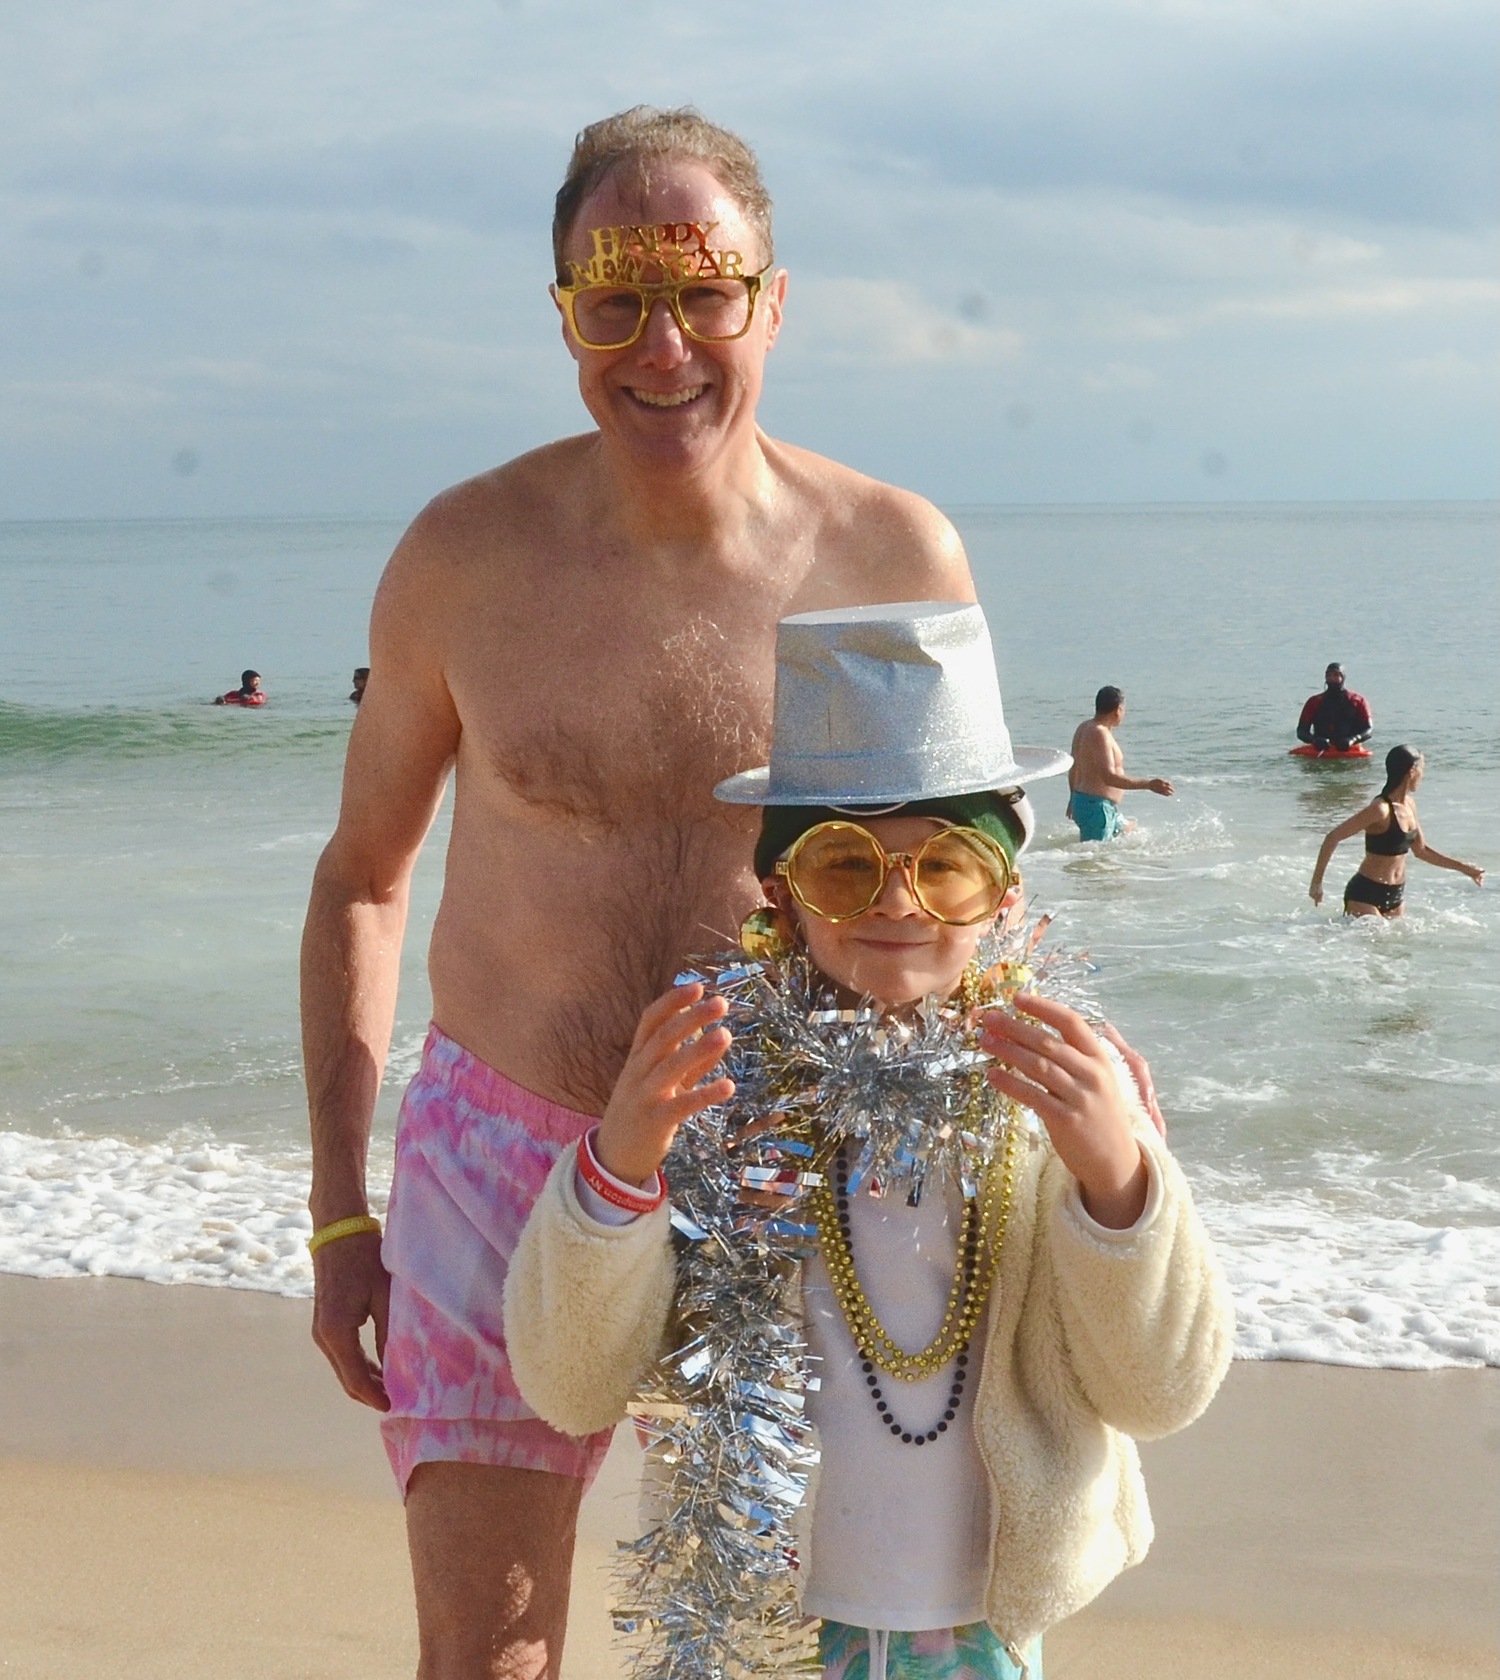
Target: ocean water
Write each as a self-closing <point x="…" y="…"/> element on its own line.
<point x="1331" y="1088"/>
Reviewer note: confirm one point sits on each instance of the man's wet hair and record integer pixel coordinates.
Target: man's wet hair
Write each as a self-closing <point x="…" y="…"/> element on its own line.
<point x="246" y="676"/>
<point x="1108" y="699"/>
<point x="632" y="143"/>
<point x="361" y="670"/>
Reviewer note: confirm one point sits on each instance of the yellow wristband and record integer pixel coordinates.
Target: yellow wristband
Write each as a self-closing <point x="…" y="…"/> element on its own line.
<point x="356" y="1226"/>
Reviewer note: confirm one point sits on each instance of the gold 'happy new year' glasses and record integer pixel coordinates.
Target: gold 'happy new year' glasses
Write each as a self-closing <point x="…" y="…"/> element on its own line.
<point x="614" y="317"/>
<point x="610" y="297"/>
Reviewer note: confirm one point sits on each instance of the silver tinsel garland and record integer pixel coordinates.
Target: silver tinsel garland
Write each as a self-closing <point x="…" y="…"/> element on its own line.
<point x="708" y="1592"/>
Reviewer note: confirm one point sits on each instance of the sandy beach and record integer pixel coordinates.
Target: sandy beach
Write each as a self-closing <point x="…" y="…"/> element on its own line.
<point x="186" y="1494"/>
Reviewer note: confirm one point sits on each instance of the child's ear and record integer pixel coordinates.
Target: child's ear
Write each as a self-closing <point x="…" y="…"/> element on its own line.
<point x="780" y="895"/>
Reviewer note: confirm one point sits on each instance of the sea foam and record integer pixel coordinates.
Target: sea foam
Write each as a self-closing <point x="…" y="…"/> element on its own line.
<point x="1308" y="1284"/>
<point x="183" y="1210"/>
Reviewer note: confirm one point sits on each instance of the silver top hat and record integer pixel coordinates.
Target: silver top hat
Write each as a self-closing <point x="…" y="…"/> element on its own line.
<point x="886" y="704"/>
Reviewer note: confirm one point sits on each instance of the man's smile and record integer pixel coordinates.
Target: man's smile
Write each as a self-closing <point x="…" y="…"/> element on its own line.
<point x="668" y="399"/>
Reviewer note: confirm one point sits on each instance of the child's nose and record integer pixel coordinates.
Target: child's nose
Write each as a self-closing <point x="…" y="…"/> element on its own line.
<point x="898" y="896"/>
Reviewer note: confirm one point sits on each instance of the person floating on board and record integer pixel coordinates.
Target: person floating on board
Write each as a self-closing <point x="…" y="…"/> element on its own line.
<point x="884" y="1047"/>
<point x="1337" y="717"/>
<point x="1391" y="829"/>
<point x="1098" y="772"/>
<point x="249" y="693"/>
<point x="361" y="677"/>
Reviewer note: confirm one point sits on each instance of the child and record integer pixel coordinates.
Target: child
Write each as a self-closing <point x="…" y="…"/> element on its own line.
<point x="974" y="1493"/>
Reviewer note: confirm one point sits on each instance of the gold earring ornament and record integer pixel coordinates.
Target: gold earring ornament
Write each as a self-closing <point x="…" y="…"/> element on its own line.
<point x="765" y="936"/>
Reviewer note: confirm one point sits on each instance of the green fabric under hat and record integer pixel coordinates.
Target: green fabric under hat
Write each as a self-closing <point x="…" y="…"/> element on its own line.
<point x="991" y="813"/>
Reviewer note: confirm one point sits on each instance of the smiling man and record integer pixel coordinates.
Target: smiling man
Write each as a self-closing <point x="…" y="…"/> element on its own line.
<point x="625" y="585"/>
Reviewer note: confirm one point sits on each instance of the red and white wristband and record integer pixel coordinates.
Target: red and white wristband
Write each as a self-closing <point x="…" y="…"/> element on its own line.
<point x="614" y="1190"/>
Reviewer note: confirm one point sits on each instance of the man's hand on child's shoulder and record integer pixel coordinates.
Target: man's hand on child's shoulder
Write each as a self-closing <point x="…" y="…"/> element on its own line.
<point x="1140" y="1071"/>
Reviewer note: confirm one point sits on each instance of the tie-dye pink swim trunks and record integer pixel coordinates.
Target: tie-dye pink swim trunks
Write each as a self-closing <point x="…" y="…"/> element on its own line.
<point x="473" y="1150"/>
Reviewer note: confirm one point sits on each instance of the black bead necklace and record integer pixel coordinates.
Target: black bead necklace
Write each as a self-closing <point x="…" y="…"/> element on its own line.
<point x="968" y="1264"/>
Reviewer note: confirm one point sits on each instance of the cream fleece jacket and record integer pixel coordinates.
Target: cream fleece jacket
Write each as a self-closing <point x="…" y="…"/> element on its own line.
<point x="1091" y="1342"/>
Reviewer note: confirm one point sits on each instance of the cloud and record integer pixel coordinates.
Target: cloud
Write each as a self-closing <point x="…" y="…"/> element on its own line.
<point x="1328" y="304"/>
<point x="1449" y="368"/>
<point x="66" y="408"/>
<point x="1378" y="112"/>
<point x="1120" y="376"/>
<point x="483" y="178"/>
<point x="888" y="322"/>
<point x="309" y="238"/>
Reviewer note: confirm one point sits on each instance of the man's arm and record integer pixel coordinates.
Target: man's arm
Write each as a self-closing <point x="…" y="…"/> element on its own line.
<point x="1364" y="724"/>
<point x="1136" y="784"/>
<point x="405" y="734"/>
<point x="1307" y="722"/>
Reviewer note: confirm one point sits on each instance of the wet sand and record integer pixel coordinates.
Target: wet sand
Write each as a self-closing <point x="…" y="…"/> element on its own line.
<point x="187" y="1495"/>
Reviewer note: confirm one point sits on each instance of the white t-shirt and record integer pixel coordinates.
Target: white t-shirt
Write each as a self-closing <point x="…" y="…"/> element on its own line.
<point x="901" y="1533"/>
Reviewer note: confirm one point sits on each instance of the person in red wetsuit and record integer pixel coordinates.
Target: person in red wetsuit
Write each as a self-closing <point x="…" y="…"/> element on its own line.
<point x="1338" y="717"/>
<point x="249" y="693"/>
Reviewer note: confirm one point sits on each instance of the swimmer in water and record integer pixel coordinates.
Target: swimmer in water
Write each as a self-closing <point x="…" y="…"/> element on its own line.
<point x="1098" y="774"/>
<point x="1335" y="718"/>
<point x="1391" y="829"/>
<point x="249" y="693"/>
<point x="361" y="677"/>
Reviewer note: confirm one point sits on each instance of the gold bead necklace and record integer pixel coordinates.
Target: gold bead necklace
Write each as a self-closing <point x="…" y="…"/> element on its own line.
<point x="981" y="1233"/>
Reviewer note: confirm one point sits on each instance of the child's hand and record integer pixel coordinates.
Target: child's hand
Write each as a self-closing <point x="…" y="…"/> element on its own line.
<point x="1063" y="1074"/>
<point x="658" y="1087"/>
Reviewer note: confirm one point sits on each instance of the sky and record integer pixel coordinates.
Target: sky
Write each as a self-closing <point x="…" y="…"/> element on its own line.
<point x="291" y="257"/>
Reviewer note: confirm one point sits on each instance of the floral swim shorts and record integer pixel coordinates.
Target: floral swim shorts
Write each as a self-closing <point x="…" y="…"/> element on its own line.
<point x="973" y="1652"/>
<point x="473" y="1150"/>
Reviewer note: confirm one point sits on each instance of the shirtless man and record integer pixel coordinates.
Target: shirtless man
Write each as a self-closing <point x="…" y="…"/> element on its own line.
<point x="627" y="583"/>
<point x="1098" y="772"/>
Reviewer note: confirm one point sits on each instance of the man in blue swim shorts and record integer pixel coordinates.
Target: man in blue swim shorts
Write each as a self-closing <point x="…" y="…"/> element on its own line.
<point x="1098" y="772"/>
<point x="1097" y="818"/>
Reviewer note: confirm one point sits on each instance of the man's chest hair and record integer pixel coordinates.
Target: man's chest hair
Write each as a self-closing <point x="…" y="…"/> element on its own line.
<point x="609" y="724"/>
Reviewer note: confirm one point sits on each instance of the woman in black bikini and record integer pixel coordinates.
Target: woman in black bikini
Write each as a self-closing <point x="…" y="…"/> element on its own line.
<point x="1391" y="830"/>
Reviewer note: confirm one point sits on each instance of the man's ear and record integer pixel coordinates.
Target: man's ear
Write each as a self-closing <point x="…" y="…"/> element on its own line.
<point x="562" y="322"/>
<point x="773" y="296"/>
